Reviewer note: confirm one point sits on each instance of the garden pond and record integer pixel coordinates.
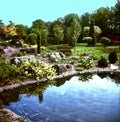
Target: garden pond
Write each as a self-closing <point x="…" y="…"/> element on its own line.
<point x="78" y="98"/>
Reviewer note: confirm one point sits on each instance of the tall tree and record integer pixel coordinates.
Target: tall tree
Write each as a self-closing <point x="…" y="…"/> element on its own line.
<point x="22" y="31"/>
<point x="85" y="22"/>
<point x="102" y="18"/>
<point x="58" y="32"/>
<point x="72" y="28"/>
<point x="1" y="30"/>
<point x="116" y="20"/>
<point x="10" y="31"/>
<point x="38" y="27"/>
<point x="92" y="32"/>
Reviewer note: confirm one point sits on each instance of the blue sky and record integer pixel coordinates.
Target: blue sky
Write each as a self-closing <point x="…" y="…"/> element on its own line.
<point x="27" y="11"/>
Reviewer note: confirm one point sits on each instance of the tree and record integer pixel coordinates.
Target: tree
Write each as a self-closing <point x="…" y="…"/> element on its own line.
<point x="102" y="18"/>
<point x="1" y="30"/>
<point x="38" y="27"/>
<point x="105" y="41"/>
<point x="116" y="20"/>
<point x="22" y="31"/>
<point x="92" y="32"/>
<point x="31" y="39"/>
<point x="97" y="30"/>
<point x="9" y="31"/>
<point x="58" y="32"/>
<point x="72" y="28"/>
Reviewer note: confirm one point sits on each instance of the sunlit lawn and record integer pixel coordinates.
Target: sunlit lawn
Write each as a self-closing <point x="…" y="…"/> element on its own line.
<point x="96" y="51"/>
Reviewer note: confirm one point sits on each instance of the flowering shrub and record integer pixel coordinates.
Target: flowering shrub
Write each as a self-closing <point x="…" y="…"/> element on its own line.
<point x="37" y="69"/>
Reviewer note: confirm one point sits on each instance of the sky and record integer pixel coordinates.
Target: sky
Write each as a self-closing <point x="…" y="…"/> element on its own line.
<point x="26" y="11"/>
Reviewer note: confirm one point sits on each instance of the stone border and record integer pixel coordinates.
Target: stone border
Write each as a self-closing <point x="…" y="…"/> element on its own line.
<point x="65" y="74"/>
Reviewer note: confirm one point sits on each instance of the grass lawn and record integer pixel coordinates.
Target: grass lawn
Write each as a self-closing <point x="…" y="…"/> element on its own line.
<point x="96" y="51"/>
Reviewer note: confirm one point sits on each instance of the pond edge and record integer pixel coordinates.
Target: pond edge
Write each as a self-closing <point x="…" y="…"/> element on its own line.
<point x="4" y="88"/>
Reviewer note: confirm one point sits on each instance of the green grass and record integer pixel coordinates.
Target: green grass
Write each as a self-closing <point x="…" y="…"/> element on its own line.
<point x="96" y="51"/>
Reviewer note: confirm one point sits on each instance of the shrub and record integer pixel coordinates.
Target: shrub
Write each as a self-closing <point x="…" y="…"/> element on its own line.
<point x="79" y="68"/>
<point x="7" y="71"/>
<point x="102" y="62"/>
<point x="112" y="57"/>
<point x="86" y="62"/>
<point x="37" y="69"/>
<point x="52" y="47"/>
<point x="105" y="41"/>
<point x="88" y="40"/>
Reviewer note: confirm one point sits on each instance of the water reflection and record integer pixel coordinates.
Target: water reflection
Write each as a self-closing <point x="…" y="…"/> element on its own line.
<point x="32" y="89"/>
<point x="68" y="100"/>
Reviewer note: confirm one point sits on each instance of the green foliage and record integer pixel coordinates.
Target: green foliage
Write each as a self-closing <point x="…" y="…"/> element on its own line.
<point x="31" y="39"/>
<point x="79" y="68"/>
<point x="65" y="49"/>
<point x="4" y="43"/>
<point x="112" y="57"/>
<point x="86" y="62"/>
<point x="72" y="28"/>
<point x="85" y="77"/>
<point x="92" y="33"/>
<point x="88" y="40"/>
<point x="119" y="60"/>
<point x="105" y="41"/>
<point x="37" y="69"/>
<point x="22" y="31"/>
<point x="58" y="32"/>
<point x="7" y="70"/>
<point x="24" y="119"/>
<point x="102" y="62"/>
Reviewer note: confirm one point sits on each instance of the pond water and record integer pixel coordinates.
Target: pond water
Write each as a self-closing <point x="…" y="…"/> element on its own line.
<point x="83" y="98"/>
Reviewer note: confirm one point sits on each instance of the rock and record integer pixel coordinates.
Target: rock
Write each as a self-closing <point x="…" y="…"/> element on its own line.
<point x="113" y="67"/>
<point x="56" y="56"/>
<point x="53" y="58"/>
<point x="28" y="50"/>
<point x="60" y="68"/>
<point x="18" y="60"/>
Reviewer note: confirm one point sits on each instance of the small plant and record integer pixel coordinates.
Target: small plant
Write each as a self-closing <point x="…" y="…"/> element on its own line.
<point x="78" y="68"/>
<point x="24" y="119"/>
<point x="4" y="112"/>
<point x="86" y="62"/>
<point x="112" y="57"/>
<point x="102" y="62"/>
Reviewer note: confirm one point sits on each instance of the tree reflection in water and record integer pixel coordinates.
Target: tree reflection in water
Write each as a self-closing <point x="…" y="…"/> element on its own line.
<point x="37" y="89"/>
<point x="85" y="77"/>
<point x="115" y="76"/>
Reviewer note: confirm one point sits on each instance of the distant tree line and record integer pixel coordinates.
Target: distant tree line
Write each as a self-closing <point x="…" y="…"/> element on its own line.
<point x="104" y="22"/>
